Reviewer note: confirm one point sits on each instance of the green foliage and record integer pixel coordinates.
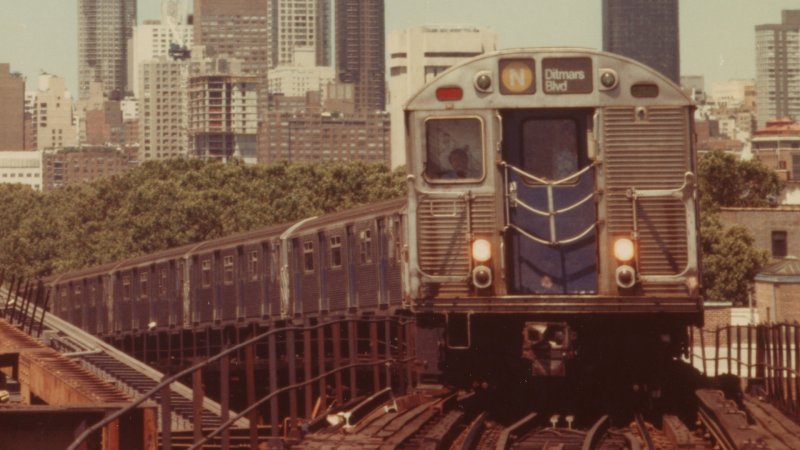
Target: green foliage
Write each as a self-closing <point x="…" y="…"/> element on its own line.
<point x="160" y="205"/>
<point x="730" y="258"/>
<point x="724" y="180"/>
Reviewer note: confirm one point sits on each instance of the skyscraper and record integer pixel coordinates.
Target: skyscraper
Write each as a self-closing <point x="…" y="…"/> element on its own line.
<point x="299" y="23"/>
<point x="644" y="30"/>
<point x="360" y="51"/>
<point x="104" y="27"/>
<point x="12" y="109"/>
<point x="777" y="64"/>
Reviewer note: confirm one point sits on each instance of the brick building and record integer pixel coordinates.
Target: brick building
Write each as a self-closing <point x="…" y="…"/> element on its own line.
<point x="776" y="230"/>
<point x="12" y="108"/>
<point x="72" y="166"/>
<point x="777" y="291"/>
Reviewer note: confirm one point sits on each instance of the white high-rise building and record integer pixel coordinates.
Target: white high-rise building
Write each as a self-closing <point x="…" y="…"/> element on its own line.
<point x="777" y="66"/>
<point x="163" y="109"/>
<point x="53" y="123"/>
<point x="300" y="77"/>
<point x="21" y="167"/>
<point x="417" y="56"/>
<point x="731" y="93"/>
<point x="299" y="23"/>
<point x="151" y="40"/>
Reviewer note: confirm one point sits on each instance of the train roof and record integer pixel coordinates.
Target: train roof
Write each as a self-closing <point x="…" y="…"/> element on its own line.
<point x="559" y="77"/>
<point x="233" y="240"/>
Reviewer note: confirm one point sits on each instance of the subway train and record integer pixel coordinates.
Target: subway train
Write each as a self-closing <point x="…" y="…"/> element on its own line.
<point x="549" y="231"/>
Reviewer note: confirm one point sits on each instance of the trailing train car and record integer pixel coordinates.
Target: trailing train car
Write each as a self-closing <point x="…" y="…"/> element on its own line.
<point x="552" y="211"/>
<point x="342" y="263"/>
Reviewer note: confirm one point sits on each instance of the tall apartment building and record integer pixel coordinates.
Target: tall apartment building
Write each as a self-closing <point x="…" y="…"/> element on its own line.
<point x="53" y="124"/>
<point x="301" y="76"/>
<point x="777" y="68"/>
<point x="734" y="94"/>
<point x="152" y="40"/>
<point x="163" y="109"/>
<point x="12" y="109"/>
<point x="416" y="56"/>
<point x="299" y="23"/>
<point x="644" y="30"/>
<point x="360" y="51"/>
<point x="223" y="118"/>
<point x="104" y="28"/>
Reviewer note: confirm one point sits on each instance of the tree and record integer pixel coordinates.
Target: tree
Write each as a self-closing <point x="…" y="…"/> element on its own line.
<point x="730" y="259"/>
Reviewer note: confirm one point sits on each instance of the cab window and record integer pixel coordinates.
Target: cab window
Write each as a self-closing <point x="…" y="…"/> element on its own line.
<point x="550" y="148"/>
<point x="454" y="150"/>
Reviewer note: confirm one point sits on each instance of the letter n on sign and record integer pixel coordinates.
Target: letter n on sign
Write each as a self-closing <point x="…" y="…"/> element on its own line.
<point x="517" y="76"/>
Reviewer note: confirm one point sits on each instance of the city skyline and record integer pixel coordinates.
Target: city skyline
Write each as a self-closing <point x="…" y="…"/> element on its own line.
<point x="726" y="29"/>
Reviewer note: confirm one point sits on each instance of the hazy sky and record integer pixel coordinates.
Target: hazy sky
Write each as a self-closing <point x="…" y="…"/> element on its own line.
<point x="717" y="36"/>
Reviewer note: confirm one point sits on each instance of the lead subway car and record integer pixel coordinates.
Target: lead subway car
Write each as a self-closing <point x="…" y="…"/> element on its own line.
<point x="551" y="217"/>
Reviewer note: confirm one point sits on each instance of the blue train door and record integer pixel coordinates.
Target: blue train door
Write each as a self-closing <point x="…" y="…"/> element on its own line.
<point x="552" y="216"/>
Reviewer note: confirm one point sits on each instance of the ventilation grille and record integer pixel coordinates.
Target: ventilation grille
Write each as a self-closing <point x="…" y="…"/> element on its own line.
<point x="648" y="154"/>
<point x="443" y="231"/>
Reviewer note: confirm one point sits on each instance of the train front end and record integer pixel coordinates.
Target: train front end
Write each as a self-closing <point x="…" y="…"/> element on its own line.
<point x="552" y="198"/>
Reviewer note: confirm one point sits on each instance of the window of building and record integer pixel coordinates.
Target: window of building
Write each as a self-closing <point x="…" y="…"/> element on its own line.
<point x="227" y="266"/>
<point x="779" y="245"/>
<point x="206" y="273"/>
<point x="252" y="266"/>
<point x="336" y="252"/>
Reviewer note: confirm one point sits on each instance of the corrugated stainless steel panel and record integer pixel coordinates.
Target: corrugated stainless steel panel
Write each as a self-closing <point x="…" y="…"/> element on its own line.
<point x="646" y="154"/>
<point x="444" y="235"/>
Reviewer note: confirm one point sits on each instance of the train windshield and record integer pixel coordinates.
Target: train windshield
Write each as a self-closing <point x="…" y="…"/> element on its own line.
<point x="550" y="148"/>
<point x="454" y="150"/>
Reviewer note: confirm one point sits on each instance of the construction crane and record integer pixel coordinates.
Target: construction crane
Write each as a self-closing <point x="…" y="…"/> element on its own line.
<point x="173" y="12"/>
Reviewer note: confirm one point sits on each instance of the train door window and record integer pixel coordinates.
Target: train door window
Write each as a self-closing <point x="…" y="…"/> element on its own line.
<point x="143" y="285"/>
<point x="252" y="266"/>
<point x="227" y="269"/>
<point x="206" y="273"/>
<point x="550" y="148"/>
<point x="366" y="246"/>
<point x="454" y="150"/>
<point x="308" y="256"/>
<point x="779" y="247"/>
<point x="126" y="288"/>
<point x="162" y="282"/>
<point x="336" y="252"/>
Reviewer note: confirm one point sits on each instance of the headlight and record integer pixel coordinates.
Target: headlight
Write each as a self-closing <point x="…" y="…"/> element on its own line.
<point x="481" y="250"/>
<point x="623" y="249"/>
<point x="482" y="277"/>
<point x="626" y="276"/>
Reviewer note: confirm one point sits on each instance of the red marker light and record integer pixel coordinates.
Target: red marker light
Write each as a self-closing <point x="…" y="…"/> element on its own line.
<point x="449" y="94"/>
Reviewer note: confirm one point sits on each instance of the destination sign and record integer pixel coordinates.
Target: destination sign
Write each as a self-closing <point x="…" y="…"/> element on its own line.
<point x="517" y="76"/>
<point x="567" y="75"/>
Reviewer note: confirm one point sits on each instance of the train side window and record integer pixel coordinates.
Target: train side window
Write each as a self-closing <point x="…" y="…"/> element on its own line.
<point x="454" y="150"/>
<point x="336" y="252"/>
<point x="162" y="282"/>
<point x="92" y="296"/>
<point x="126" y="288"/>
<point x="77" y="303"/>
<point x="308" y="256"/>
<point x="550" y="148"/>
<point x="252" y="266"/>
<point x="206" y="275"/>
<point x="143" y="285"/>
<point x="227" y="269"/>
<point x="366" y="246"/>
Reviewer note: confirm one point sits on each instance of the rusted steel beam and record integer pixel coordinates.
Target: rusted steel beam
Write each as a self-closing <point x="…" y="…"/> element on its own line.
<point x="166" y="417"/>
<point x="291" y="359"/>
<point x="273" y="385"/>
<point x="307" y="374"/>
<point x="323" y="382"/>
<point x="225" y="398"/>
<point x="336" y="339"/>
<point x="352" y="355"/>
<point x="373" y="347"/>
<point x="197" y="403"/>
<point x="250" y="387"/>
